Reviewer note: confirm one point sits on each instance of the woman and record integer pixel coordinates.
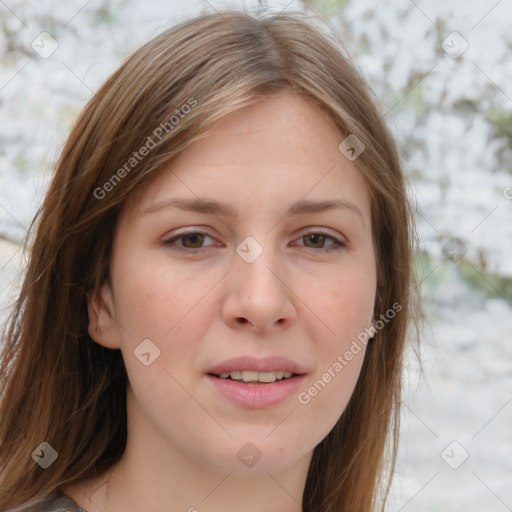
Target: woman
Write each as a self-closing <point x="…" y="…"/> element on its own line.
<point x="220" y="286"/>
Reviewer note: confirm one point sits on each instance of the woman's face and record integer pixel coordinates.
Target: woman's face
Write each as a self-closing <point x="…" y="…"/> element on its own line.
<point x="229" y="262"/>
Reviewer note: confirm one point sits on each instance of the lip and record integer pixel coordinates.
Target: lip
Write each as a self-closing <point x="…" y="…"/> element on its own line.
<point x="256" y="396"/>
<point x="267" y="364"/>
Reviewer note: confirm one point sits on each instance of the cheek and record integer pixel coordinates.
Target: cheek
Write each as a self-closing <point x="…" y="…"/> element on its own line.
<point x="171" y="309"/>
<point x="155" y="300"/>
<point x="162" y="317"/>
<point x="347" y="307"/>
<point x="327" y="396"/>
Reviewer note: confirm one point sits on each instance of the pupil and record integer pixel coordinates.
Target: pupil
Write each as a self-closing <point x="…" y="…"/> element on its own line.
<point x="194" y="237"/>
<point x="318" y="237"/>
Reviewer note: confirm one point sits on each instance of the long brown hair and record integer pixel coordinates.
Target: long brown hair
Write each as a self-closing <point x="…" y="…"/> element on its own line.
<point x="59" y="386"/>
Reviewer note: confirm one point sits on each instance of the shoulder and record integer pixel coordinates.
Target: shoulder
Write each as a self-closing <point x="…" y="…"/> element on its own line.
<point x="55" y="502"/>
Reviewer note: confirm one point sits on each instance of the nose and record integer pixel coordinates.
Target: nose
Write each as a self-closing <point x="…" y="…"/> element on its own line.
<point x="259" y="297"/>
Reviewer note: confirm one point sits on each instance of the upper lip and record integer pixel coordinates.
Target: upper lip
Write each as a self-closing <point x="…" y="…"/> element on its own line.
<point x="267" y="364"/>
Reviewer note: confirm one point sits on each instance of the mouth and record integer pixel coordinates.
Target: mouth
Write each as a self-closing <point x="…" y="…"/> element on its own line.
<point x="256" y="383"/>
<point x="253" y="378"/>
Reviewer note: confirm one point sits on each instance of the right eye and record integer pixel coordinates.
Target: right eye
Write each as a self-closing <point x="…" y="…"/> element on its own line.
<point x="191" y="241"/>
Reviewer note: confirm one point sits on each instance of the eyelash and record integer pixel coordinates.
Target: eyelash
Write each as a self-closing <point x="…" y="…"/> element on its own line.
<point x="337" y="245"/>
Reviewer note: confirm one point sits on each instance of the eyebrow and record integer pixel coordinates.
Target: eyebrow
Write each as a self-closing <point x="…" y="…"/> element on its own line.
<point x="212" y="206"/>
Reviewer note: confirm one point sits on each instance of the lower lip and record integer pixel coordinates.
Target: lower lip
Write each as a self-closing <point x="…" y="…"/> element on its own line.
<point x="257" y="396"/>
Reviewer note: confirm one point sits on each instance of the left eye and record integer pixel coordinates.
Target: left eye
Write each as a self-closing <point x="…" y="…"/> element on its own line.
<point x="192" y="241"/>
<point x="320" y="238"/>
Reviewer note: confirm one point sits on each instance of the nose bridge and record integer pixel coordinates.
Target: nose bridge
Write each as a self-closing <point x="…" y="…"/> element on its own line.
<point x="256" y="265"/>
<point x="260" y="294"/>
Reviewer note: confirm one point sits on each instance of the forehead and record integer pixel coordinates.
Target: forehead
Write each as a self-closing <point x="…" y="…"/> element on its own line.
<point x="282" y="146"/>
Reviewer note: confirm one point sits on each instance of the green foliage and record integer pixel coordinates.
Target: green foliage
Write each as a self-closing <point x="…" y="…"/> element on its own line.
<point x="104" y="15"/>
<point x="432" y="275"/>
<point x="435" y="274"/>
<point x="328" y="8"/>
<point x="411" y="98"/>
<point x="502" y="123"/>
<point x="23" y="164"/>
<point x="491" y="284"/>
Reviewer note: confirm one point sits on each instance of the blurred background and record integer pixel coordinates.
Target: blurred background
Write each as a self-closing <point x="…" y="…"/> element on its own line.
<point x="443" y="72"/>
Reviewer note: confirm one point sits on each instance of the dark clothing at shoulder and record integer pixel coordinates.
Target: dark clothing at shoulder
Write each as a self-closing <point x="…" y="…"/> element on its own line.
<point x="55" y="502"/>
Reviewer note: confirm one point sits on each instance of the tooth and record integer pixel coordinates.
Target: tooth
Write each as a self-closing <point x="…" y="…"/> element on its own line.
<point x="249" y="376"/>
<point x="267" y="376"/>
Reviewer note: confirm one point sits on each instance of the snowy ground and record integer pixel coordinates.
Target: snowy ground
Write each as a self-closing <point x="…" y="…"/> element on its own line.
<point x="440" y="108"/>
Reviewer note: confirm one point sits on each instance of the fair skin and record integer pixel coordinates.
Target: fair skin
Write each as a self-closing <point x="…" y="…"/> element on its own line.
<point x="295" y="300"/>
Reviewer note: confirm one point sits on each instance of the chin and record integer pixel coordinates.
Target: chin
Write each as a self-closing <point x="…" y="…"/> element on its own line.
<point x="259" y="453"/>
